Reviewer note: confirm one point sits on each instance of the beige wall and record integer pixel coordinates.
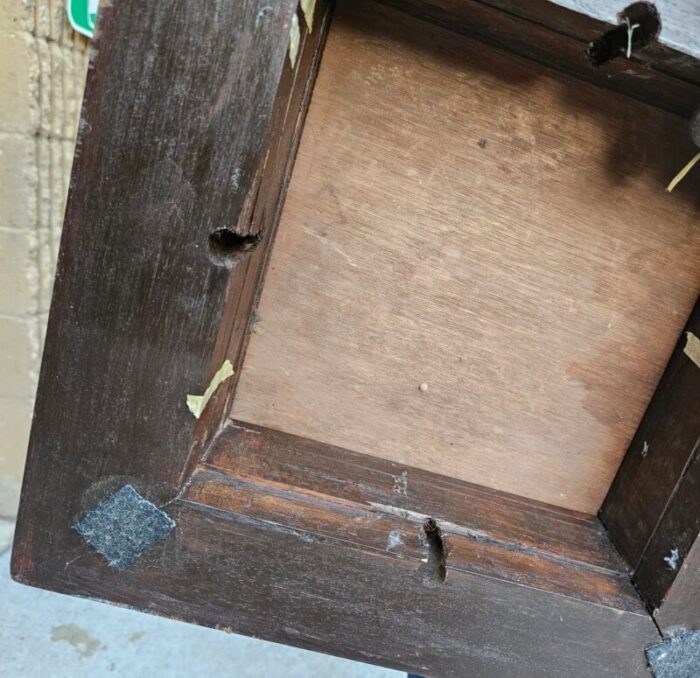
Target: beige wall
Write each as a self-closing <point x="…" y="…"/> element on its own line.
<point x="42" y="72"/>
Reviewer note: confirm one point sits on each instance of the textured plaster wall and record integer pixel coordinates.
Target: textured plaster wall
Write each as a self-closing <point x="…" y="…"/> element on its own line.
<point x="42" y="73"/>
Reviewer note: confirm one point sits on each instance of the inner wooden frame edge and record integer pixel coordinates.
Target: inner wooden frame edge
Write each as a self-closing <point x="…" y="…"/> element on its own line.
<point x="234" y="336"/>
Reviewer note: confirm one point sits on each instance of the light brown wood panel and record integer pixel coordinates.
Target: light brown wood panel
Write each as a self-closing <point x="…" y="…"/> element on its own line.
<point x="469" y="220"/>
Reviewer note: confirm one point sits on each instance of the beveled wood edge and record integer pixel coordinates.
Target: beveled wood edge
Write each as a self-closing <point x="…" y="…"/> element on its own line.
<point x="248" y="575"/>
<point x="669" y="569"/>
<point x="583" y="26"/>
<point x="557" y="38"/>
<point x="155" y="474"/>
<point x="330" y="492"/>
<point x="652" y="510"/>
<point x="246" y="282"/>
<point x="255" y="451"/>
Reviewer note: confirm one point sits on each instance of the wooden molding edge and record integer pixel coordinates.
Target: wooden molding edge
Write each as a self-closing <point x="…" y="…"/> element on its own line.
<point x="651" y="511"/>
<point x="327" y="557"/>
<point x="557" y="37"/>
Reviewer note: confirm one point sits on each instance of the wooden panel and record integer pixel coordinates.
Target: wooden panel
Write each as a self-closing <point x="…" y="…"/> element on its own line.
<point x="260" y="216"/>
<point x="401" y="533"/>
<point x="681" y="606"/>
<point x="337" y="493"/>
<point x="465" y="219"/>
<point x="658" y="455"/>
<point x="250" y="451"/>
<point x="328" y="543"/>
<point x="673" y="540"/>
<point x="248" y="576"/>
<point x="182" y="109"/>
<point x="652" y="511"/>
<point x="558" y="38"/>
<point x="676" y="52"/>
<point x="680" y="18"/>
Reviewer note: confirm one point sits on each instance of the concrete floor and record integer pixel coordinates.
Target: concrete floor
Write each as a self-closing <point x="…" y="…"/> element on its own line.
<point x="49" y="634"/>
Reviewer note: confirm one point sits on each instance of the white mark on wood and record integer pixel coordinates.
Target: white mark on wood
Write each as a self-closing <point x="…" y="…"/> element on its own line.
<point x="236" y="179"/>
<point x="240" y="427"/>
<point x="692" y="347"/>
<point x="304" y="536"/>
<point x="394" y="540"/>
<point x="308" y="7"/>
<point x="423" y="387"/>
<point x="681" y="20"/>
<point x="401" y="484"/>
<point x="420" y="518"/>
<point x="645" y="449"/>
<point x="293" y="40"/>
<point x="330" y="246"/>
<point x="630" y="30"/>
<point x="638" y="75"/>
<point x="672" y="560"/>
<point x="196" y="403"/>
<point x="262" y="15"/>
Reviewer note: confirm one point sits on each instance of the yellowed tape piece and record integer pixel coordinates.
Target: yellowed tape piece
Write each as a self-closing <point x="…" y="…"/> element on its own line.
<point x="294" y="40"/>
<point x="197" y="403"/>
<point x="679" y="177"/>
<point x="692" y="347"/>
<point x="308" y="7"/>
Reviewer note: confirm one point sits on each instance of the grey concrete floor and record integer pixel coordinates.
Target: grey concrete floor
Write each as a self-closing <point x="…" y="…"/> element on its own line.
<point x="48" y="635"/>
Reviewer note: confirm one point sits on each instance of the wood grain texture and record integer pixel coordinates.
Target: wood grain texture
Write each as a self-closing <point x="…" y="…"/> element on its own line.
<point x="336" y="493"/>
<point x="463" y="218"/>
<point x="675" y="53"/>
<point x="262" y="213"/>
<point x="652" y="511"/>
<point x="659" y="455"/>
<point x="680" y="609"/>
<point x="558" y="38"/>
<point x="676" y="533"/>
<point x="245" y="575"/>
<point x="182" y="110"/>
<point x="253" y="452"/>
<point x="191" y="121"/>
<point x="681" y="19"/>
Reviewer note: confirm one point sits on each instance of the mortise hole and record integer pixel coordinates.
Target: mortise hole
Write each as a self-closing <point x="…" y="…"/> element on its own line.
<point x="639" y="25"/>
<point x="226" y="247"/>
<point x="435" y="570"/>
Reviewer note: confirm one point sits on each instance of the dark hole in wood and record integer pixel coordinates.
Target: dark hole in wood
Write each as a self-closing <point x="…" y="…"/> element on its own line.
<point x="226" y="247"/>
<point x="435" y="570"/>
<point x="640" y="26"/>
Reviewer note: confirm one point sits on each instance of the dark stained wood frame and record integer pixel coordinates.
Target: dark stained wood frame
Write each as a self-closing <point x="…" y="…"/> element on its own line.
<point x="652" y="511"/>
<point x="190" y="126"/>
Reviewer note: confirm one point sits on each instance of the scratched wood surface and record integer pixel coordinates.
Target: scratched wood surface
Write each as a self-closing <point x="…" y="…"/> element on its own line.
<point x="234" y="572"/>
<point x="382" y="504"/>
<point x="466" y="219"/>
<point x="181" y="110"/>
<point x="557" y="37"/>
<point x="658" y="462"/>
<point x="680" y="18"/>
<point x="652" y="512"/>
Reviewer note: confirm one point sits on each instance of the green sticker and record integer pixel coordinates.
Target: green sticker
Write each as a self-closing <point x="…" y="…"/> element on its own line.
<point x="82" y="15"/>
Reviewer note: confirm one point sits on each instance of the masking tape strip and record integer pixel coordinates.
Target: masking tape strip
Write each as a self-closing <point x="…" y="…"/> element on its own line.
<point x="197" y="403"/>
<point x="692" y="347"/>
